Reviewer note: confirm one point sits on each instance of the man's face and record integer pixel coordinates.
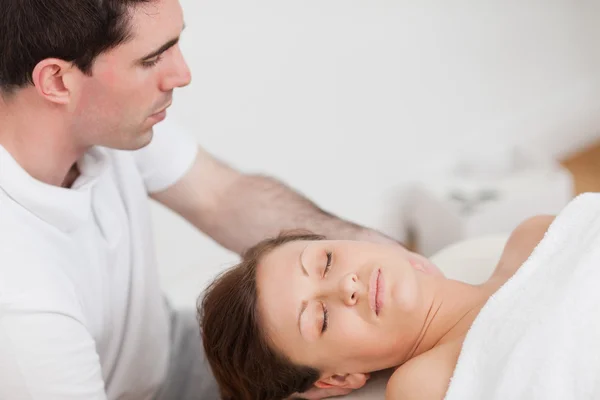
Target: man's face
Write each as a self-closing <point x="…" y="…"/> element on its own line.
<point x="132" y="85"/>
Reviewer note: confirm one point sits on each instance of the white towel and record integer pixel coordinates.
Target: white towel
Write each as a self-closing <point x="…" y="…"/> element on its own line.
<point x="538" y="337"/>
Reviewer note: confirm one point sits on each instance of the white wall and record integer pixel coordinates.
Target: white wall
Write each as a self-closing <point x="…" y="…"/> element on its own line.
<point x="349" y="100"/>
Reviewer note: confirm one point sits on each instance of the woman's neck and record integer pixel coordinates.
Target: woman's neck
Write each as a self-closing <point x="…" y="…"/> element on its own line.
<point x="452" y="312"/>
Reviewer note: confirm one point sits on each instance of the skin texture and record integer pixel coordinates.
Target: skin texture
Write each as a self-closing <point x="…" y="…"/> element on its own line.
<point x="419" y="329"/>
<point x="356" y="337"/>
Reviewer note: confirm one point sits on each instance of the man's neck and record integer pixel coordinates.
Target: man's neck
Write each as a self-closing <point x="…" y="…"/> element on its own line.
<point x="39" y="141"/>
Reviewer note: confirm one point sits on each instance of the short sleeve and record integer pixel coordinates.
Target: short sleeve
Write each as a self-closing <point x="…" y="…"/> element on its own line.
<point x="47" y="356"/>
<point x="167" y="158"/>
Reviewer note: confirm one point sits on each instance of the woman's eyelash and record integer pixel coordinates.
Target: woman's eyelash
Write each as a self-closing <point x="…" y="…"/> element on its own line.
<point x="328" y="265"/>
<point x="325" y="319"/>
<point x="325" y="312"/>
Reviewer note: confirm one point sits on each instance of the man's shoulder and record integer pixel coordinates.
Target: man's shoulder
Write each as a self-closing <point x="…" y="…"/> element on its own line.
<point x="17" y="225"/>
<point x="11" y="221"/>
<point x="425" y="377"/>
<point x="26" y="259"/>
<point x="31" y="284"/>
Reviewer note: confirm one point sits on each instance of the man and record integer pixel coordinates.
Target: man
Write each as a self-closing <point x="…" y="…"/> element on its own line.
<point x="82" y="83"/>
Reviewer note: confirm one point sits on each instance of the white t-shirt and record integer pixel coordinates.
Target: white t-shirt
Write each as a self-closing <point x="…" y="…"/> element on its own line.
<point x="82" y="316"/>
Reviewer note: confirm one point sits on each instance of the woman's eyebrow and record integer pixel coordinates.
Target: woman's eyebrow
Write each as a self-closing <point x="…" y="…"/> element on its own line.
<point x="302" y="264"/>
<point x="304" y="303"/>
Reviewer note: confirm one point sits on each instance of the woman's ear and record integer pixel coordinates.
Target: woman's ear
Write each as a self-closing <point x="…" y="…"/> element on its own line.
<point x="346" y="381"/>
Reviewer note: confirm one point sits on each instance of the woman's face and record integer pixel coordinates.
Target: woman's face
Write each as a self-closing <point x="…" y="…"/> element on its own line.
<point x="344" y="307"/>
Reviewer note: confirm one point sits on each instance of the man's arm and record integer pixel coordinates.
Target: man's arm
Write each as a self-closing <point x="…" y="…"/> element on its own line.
<point x="239" y="210"/>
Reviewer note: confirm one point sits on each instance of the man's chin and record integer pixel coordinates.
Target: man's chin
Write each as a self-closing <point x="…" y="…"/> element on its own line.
<point x="145" y="138"/>
<point x="139" y="141"/>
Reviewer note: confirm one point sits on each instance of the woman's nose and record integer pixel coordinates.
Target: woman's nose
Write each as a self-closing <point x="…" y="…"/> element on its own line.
<point x="349" y="289"/>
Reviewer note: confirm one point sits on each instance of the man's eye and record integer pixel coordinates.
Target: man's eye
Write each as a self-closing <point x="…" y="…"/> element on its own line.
<point x="328" y="264"/>
<point x="151" y="62"/>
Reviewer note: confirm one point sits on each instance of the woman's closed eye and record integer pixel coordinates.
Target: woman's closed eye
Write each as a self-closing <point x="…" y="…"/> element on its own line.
<point x="325" y="312"/>
<point x="325" y="319"/>
<point x="327" y="264"/>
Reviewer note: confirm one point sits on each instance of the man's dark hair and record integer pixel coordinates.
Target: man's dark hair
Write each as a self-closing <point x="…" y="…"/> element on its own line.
<point x="72" y="30"/>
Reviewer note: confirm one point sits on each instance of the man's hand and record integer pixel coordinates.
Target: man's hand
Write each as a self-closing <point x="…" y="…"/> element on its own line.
<point x="415" y="259"/>
<point x="318" y="394"/>
<point x="239" y="210"/>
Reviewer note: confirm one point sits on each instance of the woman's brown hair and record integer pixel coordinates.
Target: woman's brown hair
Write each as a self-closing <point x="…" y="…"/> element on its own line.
<point x="243" y="360"/>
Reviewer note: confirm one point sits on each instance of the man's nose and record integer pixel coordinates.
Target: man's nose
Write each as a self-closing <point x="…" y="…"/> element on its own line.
<point x="179" y="74"/>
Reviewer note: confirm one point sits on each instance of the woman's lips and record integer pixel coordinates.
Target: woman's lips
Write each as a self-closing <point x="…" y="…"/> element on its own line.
<point x="376" y="291"/>
<point x="379" y="297"/>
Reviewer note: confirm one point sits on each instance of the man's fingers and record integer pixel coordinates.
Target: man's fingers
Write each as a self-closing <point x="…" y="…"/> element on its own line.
<point x="318" y="394"/>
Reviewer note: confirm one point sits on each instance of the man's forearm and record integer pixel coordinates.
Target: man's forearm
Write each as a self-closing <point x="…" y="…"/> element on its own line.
<point x="255" y="207"/>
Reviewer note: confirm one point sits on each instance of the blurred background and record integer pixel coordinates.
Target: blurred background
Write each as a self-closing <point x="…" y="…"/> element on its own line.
<point x="429" y="120"/>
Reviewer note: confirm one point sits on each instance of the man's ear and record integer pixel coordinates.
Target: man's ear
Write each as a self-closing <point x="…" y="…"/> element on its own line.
<point x="52" y="78"/>
<point x="347" y="381"/>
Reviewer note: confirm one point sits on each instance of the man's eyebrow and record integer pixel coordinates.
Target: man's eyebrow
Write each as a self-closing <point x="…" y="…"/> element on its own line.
<point x="162" y="48"/>
<point x="304" y="303"/>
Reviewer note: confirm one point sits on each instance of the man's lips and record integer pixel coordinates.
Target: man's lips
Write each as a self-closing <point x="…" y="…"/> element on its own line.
<point x="163" y="109"/>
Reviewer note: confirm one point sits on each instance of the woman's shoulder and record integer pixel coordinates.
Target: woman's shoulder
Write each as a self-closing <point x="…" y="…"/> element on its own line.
<point x="521" y="243"/>
<point x="425" y="377"/>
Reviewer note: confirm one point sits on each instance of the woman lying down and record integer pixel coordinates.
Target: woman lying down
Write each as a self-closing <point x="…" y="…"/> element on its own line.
<point x="301" y="311"/>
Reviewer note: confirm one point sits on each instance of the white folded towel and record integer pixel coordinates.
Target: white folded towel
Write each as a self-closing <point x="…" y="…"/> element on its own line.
<point x="538" y="337"/>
